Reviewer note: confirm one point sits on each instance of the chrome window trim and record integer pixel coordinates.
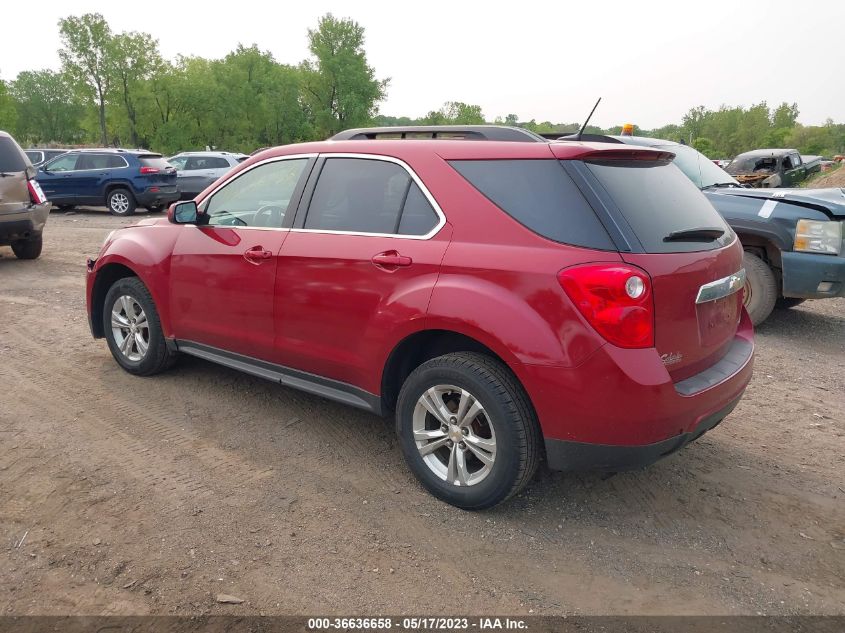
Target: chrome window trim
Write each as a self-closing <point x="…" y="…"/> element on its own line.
<point x="388" y="159"/>
<point x="721" y="288"/>
<point x="274" y="159"/>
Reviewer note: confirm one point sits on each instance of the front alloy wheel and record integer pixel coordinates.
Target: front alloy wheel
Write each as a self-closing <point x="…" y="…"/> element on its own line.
<point x="454" y="436"/>
<point x="130" y="328"/>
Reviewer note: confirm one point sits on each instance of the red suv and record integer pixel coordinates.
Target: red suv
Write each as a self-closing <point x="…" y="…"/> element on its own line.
<point x="509" y="301"/>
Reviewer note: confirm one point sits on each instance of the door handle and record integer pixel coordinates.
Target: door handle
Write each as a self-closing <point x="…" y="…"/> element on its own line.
<point x="391" y="260"/>
<point x="257" y="254"/>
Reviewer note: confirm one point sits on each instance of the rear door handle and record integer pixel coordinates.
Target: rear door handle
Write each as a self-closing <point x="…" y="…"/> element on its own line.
<point x="391" y="260"/>
<point x="257" y="254"/>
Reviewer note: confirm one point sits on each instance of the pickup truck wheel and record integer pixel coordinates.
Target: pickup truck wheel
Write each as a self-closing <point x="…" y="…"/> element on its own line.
<point x="788" y="302"/>
<point x="28" y="249"/>
<point x="761" y="288"/>
<point x="467" y="430"/>
<point x="120" y="202"/>
<point x="133" y="329"/>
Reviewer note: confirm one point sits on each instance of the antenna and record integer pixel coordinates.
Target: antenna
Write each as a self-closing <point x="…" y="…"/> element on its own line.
<point x="581" y="131"/>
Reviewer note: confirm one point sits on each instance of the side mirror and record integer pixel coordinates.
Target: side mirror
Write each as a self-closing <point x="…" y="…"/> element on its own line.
<point x="183" y="212"/>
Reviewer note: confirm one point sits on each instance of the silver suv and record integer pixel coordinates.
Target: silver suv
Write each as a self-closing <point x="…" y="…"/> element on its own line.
<point x="23" y="207"/>
<point x="195" y="171"/>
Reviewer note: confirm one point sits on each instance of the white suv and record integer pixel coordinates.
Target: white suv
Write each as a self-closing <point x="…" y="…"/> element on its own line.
<point x="197" y="170"/>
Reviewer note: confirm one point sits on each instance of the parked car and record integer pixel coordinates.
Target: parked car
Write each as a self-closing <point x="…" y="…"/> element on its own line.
<point x="119" y="179"/>
<point x="23" y="206"/>
<point x="38" y="156"/>
<point x="792" y="238"/>
<point x="195" y="171"/>
<point x="769" y="168"/>
<point x="506" y="301"/>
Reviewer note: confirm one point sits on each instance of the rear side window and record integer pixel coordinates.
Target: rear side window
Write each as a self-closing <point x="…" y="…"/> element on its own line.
<point x="11" y="157"/>
<point x="657" y="201"/>
<point x="100" y="161"/>
<point x="34" y="157"/>
<point x="369" y="196"/>
<point x="540" y="195"/>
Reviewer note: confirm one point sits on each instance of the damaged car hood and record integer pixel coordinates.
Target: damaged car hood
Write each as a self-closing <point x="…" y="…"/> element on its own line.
<point x="831" y="201"/>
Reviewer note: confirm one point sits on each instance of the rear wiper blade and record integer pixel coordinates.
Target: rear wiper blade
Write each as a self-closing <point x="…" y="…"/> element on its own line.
<point x="698" y="234"/>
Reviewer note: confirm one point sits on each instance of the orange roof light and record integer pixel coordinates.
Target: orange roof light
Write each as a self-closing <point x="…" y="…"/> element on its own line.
<point x="628" y="129"/>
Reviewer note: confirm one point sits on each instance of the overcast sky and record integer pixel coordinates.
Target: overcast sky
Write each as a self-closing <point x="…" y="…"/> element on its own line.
<point x="650" y="61"/>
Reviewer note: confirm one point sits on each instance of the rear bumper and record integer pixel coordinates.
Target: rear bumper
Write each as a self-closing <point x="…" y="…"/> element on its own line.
<point x="26" y="223"/>
<point x="580" y="456"/>
<point x="157" y="198"/>
<point x="811" y="276"/>
<point x="621" y="406"/>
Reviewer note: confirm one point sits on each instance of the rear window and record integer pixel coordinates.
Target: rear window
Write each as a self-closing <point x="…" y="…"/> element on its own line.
<point x="657" y="200"/>
<point x="11" y="157"/>
<point x="155" y="160"/>
<point x="540" y="195"/>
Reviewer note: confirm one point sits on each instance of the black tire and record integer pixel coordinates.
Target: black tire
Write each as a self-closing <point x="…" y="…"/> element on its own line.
<point x="511" y="416"/>
<point x="784" y="303"/>
<point x="28" y="249"/>
<point x="156" y="209"/>
<point x="66" y="207"/>
<point x="121" y="202"/>
<point x="158" y="356"/>
<point x="761" y="288"/>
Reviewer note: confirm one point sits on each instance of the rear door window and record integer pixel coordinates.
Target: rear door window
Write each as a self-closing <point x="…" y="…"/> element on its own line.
<point x="658" y="201"/>
<point x="540" y="195"/>
<point x="369" y="196"/>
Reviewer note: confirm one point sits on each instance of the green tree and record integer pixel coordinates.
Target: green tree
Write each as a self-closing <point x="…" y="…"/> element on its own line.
<point x="705" y="146"/>
<point x="85" y="55"/>
<point x="47" y="108"/>
<point x="340" y="87"/>
<point x="132" y="60"/>
<point x="8" y="114"/>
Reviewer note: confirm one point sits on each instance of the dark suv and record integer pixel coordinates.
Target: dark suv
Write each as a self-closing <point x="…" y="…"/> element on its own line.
<point x="23" y="207"/>
<point x="507" y="301"/>
<point x="119" y="179"/>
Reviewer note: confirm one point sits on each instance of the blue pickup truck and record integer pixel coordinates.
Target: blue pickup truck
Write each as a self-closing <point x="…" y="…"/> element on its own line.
<point x="793" y="238"/>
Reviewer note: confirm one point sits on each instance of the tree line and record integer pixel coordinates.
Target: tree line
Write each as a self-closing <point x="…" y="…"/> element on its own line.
<point x="116" y="89"/>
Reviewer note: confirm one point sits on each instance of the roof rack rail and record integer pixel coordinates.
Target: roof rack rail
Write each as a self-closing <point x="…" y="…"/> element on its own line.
<point x="443" y="132"/>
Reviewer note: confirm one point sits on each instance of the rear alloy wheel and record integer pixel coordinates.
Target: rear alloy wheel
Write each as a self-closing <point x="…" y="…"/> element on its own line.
<point x="467" y="430"/>
<point x="761" y="288"/>
<point x="120" y="202"/>
<point x="133" y="330"/>
<point x="28" y="249"/>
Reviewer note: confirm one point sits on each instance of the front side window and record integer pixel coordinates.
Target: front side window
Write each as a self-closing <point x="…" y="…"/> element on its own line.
<point x="259" y="197"/>
<point x="369" y="196"/>
<point x="66" y="162"/>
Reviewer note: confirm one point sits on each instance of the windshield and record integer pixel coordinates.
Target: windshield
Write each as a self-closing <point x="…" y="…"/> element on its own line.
<point x="697" y="167"/>
<point x="751" y="164"/>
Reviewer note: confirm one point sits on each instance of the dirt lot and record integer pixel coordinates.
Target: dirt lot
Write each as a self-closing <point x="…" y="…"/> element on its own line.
<point x="121" y="495"/>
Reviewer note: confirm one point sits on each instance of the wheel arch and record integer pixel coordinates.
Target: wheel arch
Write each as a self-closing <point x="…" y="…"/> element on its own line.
<point x="107" y="275"/>
<point x="423" y="345"/>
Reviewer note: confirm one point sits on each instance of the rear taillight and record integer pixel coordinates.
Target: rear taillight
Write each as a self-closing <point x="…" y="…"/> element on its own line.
<point x="615" y="299"/>
<point x="36" y="195"/>
<point x="150" y="170"/>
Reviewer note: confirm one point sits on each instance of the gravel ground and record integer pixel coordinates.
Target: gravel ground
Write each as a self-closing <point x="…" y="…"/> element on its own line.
<point x="122" y="495"/>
